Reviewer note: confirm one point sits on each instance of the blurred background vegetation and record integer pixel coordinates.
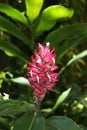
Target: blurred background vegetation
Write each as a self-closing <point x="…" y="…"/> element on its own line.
<point x="72" y="72"/>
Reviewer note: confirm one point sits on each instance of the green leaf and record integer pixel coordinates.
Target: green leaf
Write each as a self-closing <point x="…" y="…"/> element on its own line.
<point x="50" y="15"/>
<point x="13" y="13"/>
<point x="33" y="8"/>
<point x="69" y="36"/>
<point x="11" y="28"/>
<point x="77" y="57"/>
<point x="12" y="50"/>
<point x="61" y="123"/>
<point x="20" y="80"/>
<point x="13" y="107"/>
<point x="61" y="98"/>
<point x="30" y="121"/>
<point x="39" y="122"/>
<point x="66" y="32"/>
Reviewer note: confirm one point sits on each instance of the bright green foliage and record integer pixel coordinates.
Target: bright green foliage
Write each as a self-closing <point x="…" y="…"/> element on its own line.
<point x="19" y="33"/>
<point x="17" y="80"/>
<point x="33" y="8"/>
<point x="13" y="13"/>
<point x="60" y="99"/>
<point x="50" y="15"/>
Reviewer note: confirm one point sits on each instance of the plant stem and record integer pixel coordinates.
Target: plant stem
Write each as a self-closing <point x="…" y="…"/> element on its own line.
<point x="36" y="103"/>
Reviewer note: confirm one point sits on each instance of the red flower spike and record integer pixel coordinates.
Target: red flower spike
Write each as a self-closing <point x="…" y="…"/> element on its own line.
<point x="41" y="73"/>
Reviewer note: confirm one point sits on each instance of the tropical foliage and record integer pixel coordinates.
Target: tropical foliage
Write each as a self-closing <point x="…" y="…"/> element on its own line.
<point x="24" y="23"/>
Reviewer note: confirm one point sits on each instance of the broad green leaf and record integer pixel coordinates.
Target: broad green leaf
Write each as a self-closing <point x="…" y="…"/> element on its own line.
<point x="61" y="123"/>
<point x="12" y="50"/>
<point x="11" y="28"/>
<point x="39" y="122"/>
<point x="20" y="80"/>
<point x="77" y="57"/>
<point x="30" y="121"/>
<point x="50" y="15"/>
<point x="13" y="13"/>
<point x="61" y="98"/>
<point x="63" y="33"/>
<point x="13" y="107"/>
<point x="33" y="8"/>
<point x="69" y="36"/>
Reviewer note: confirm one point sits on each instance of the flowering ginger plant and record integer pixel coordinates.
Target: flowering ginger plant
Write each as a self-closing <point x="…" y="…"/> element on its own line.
<point x="41" y="71"/>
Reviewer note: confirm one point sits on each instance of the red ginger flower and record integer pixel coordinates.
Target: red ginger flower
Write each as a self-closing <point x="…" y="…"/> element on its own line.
<point x="41" y="71"/>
